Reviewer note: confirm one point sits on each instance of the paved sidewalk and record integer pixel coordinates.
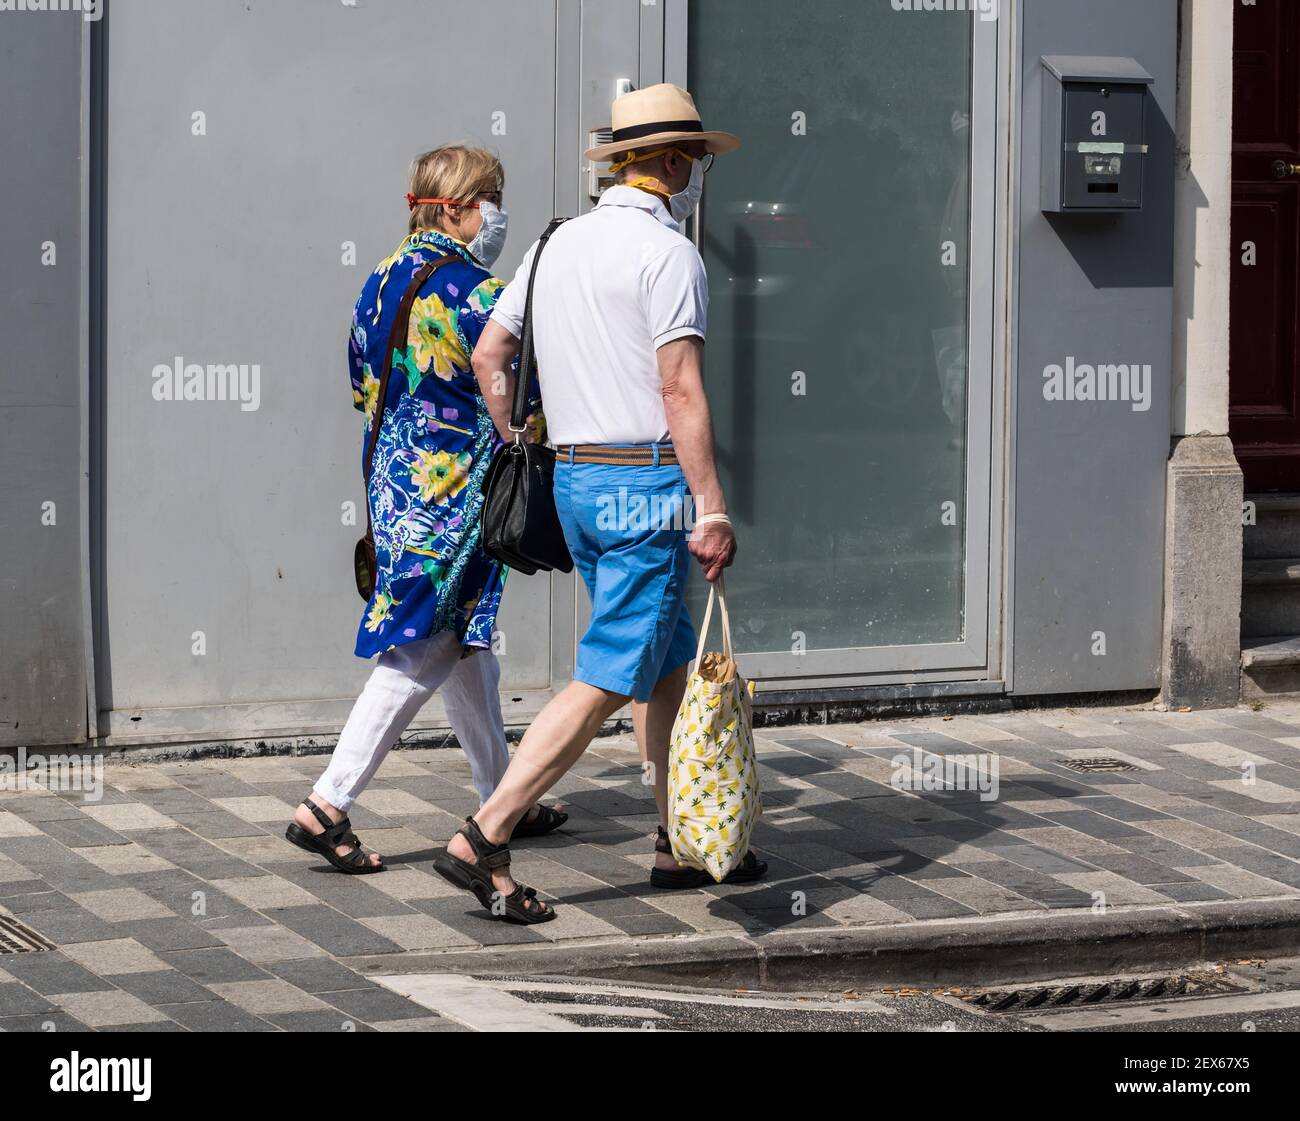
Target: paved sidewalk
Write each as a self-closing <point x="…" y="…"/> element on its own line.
<point x="175" y="902"/>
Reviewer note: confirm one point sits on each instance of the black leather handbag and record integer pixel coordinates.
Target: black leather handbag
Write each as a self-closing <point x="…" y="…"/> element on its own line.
<point x="364" y="565"/>
<point x="519" y="525"/>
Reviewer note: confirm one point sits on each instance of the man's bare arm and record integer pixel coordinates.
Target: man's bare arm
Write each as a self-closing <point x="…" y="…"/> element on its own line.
<point x="497" y="348"/>
<point x="691" y="426"/>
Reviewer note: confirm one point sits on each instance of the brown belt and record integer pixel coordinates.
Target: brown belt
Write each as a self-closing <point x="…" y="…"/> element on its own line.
<point x="607" y="453"/>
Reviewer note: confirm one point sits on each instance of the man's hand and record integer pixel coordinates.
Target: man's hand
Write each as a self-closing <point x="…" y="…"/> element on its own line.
<point x="714" y="546"/>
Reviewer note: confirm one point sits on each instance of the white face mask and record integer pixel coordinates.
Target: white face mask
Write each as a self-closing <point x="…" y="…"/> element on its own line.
<point x="682" y="205"/>
<point x="491" y="237"/>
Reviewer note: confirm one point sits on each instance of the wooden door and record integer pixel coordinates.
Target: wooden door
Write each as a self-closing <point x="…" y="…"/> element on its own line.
<point x="1264" y="387"/>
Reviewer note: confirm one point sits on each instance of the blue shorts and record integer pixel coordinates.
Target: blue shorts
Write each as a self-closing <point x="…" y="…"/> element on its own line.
<point x="625" y="528"/>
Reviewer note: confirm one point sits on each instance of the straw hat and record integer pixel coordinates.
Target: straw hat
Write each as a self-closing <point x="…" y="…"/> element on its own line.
<point x="655" y="116"/>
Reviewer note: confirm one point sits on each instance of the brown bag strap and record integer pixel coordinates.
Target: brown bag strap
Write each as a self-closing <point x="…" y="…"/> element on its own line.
<point x="396" y="339"/>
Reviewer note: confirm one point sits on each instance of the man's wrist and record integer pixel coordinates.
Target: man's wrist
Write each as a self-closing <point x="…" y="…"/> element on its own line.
<point x="709" y="504"/>
<point x="713" y="519"/>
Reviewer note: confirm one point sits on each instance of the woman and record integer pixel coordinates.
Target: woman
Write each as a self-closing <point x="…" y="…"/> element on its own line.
<point x="436" y="594"/>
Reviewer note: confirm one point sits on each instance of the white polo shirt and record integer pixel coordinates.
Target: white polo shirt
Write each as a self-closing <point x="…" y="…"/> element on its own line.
<point x="614" y="285"/>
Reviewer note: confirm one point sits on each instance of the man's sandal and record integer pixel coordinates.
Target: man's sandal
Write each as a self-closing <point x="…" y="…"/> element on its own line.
<point x="520" y="906"/>
<point x="749" y="870"/>
<point x="546" y="821"/>
<point x="355" y="863"/>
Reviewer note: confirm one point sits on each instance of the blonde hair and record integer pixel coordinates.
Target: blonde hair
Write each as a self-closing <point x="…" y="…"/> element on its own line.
<point x="453" y="171"/>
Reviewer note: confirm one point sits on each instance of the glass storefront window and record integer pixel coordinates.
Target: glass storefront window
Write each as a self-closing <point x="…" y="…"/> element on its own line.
<point x="837" y="241"/>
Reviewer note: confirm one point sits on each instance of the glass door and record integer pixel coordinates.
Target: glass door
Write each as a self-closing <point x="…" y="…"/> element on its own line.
<point x="849" y="251"/>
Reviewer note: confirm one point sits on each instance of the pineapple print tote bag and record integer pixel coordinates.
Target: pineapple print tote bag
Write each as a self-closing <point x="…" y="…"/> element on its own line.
<point x="712" y="773"/>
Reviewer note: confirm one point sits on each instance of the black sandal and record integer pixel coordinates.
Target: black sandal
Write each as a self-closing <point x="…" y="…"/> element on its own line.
<point x="750" y="869"/>
<point x="546" y="821"/>
<point x="355" y="863"/>
<point x="520" y="906"/>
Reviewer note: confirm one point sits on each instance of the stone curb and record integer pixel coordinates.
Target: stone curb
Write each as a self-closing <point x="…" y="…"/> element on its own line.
<point x="1012" y="948"/>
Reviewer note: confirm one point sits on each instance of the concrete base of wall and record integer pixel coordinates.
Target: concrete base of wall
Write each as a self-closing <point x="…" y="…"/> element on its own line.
<point x="1201" y="652"/>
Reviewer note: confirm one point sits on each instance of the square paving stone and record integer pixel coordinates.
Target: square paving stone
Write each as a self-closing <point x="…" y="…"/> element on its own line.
<point x="259" y="892"/>
<point x="39" y="852"/>
<point x="417" y="932"/>
<point x="124" y="860"/>
<point x="1238" y="883"/>
<point x="355" y="896"/>
<point x="1194" y="892"/>
<point x="1121" y="809"/>
<point x="107" y="1009"/>
<point x="1169" y="853"/>
<point x="11" y="825"/>
<point x="371" y="1005"/>
<point x="119" y="955"/>
<point x="54" y="1021"/>
<point x="258" y="808"/>
<point x="268" y="944"/>
<point x="80" y="876"/>
<point x="320" y="975"/>
<point x="465" y="915"/>
<point x="1095" y="825"/>
<point x="53" y="972"/>
<point x="215" y="1016"/>
<point x="219" y="825"/>
<point x="166" y="986"/>
<point x="211" y="966"/>
<point x="131" y="817"/>
<point x="330" y="1020"/>
<point x="80" y="832"/>
<point x="1266" y="864"/>
<point x="332" y="931"/>
<point x="654" y="923"/>
<point x="174" y="800"/>
<point x="120" y="904"/>
<point x="394" y="801"/>
<point x="1140" y="870"/>
<point x="271" y="995"/>
<point x="18" y="1000"/>
<point x="1039" y="859"/>
<point x="167" y="934"/>
<point x="914" y="900"/>
<point x="69" y="924"/>
<point x="185" y="894"/>
<point x="158" y="1026"/>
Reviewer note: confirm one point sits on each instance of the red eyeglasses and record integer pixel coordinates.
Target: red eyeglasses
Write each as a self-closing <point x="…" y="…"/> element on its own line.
<point x="494" y="197"/>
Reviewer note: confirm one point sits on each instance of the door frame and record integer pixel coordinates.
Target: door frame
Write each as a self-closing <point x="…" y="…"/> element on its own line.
<point x="977" y="657"/>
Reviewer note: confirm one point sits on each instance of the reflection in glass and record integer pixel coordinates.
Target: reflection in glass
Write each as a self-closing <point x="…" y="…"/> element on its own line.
<point x="836" y="243"/>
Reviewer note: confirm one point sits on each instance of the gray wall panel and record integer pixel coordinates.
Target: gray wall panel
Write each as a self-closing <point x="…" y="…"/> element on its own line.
<point x="1089" y="476"/>
<point x="225" y="248"/>
<point x="42" y="650"/>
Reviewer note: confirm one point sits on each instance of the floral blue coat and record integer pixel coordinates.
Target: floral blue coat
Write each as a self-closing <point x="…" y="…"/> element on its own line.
<point x="434" y="448"/>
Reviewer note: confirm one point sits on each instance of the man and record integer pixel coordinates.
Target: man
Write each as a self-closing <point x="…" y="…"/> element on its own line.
<point x="618" y="321"/>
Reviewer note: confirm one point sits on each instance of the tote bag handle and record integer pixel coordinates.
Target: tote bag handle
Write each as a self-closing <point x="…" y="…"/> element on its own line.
<point x="717" y="590"/>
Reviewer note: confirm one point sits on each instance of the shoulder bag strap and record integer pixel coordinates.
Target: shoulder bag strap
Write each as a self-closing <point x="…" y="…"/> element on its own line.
<point x="527" y="359"/>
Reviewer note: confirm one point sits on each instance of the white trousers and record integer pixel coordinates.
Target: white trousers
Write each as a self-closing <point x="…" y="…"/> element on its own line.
<point x="404" y="679"/>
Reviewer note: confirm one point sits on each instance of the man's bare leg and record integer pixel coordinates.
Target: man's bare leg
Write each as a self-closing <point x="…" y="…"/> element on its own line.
<point x="652" y="721"/>
<point x="560" y="734"/>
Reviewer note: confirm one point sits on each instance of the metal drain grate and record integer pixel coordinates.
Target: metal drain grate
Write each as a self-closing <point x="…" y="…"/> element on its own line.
<point x="1101" y="764"/>
<point x="1122" y="990"/>
<point x="18" y="939"/>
